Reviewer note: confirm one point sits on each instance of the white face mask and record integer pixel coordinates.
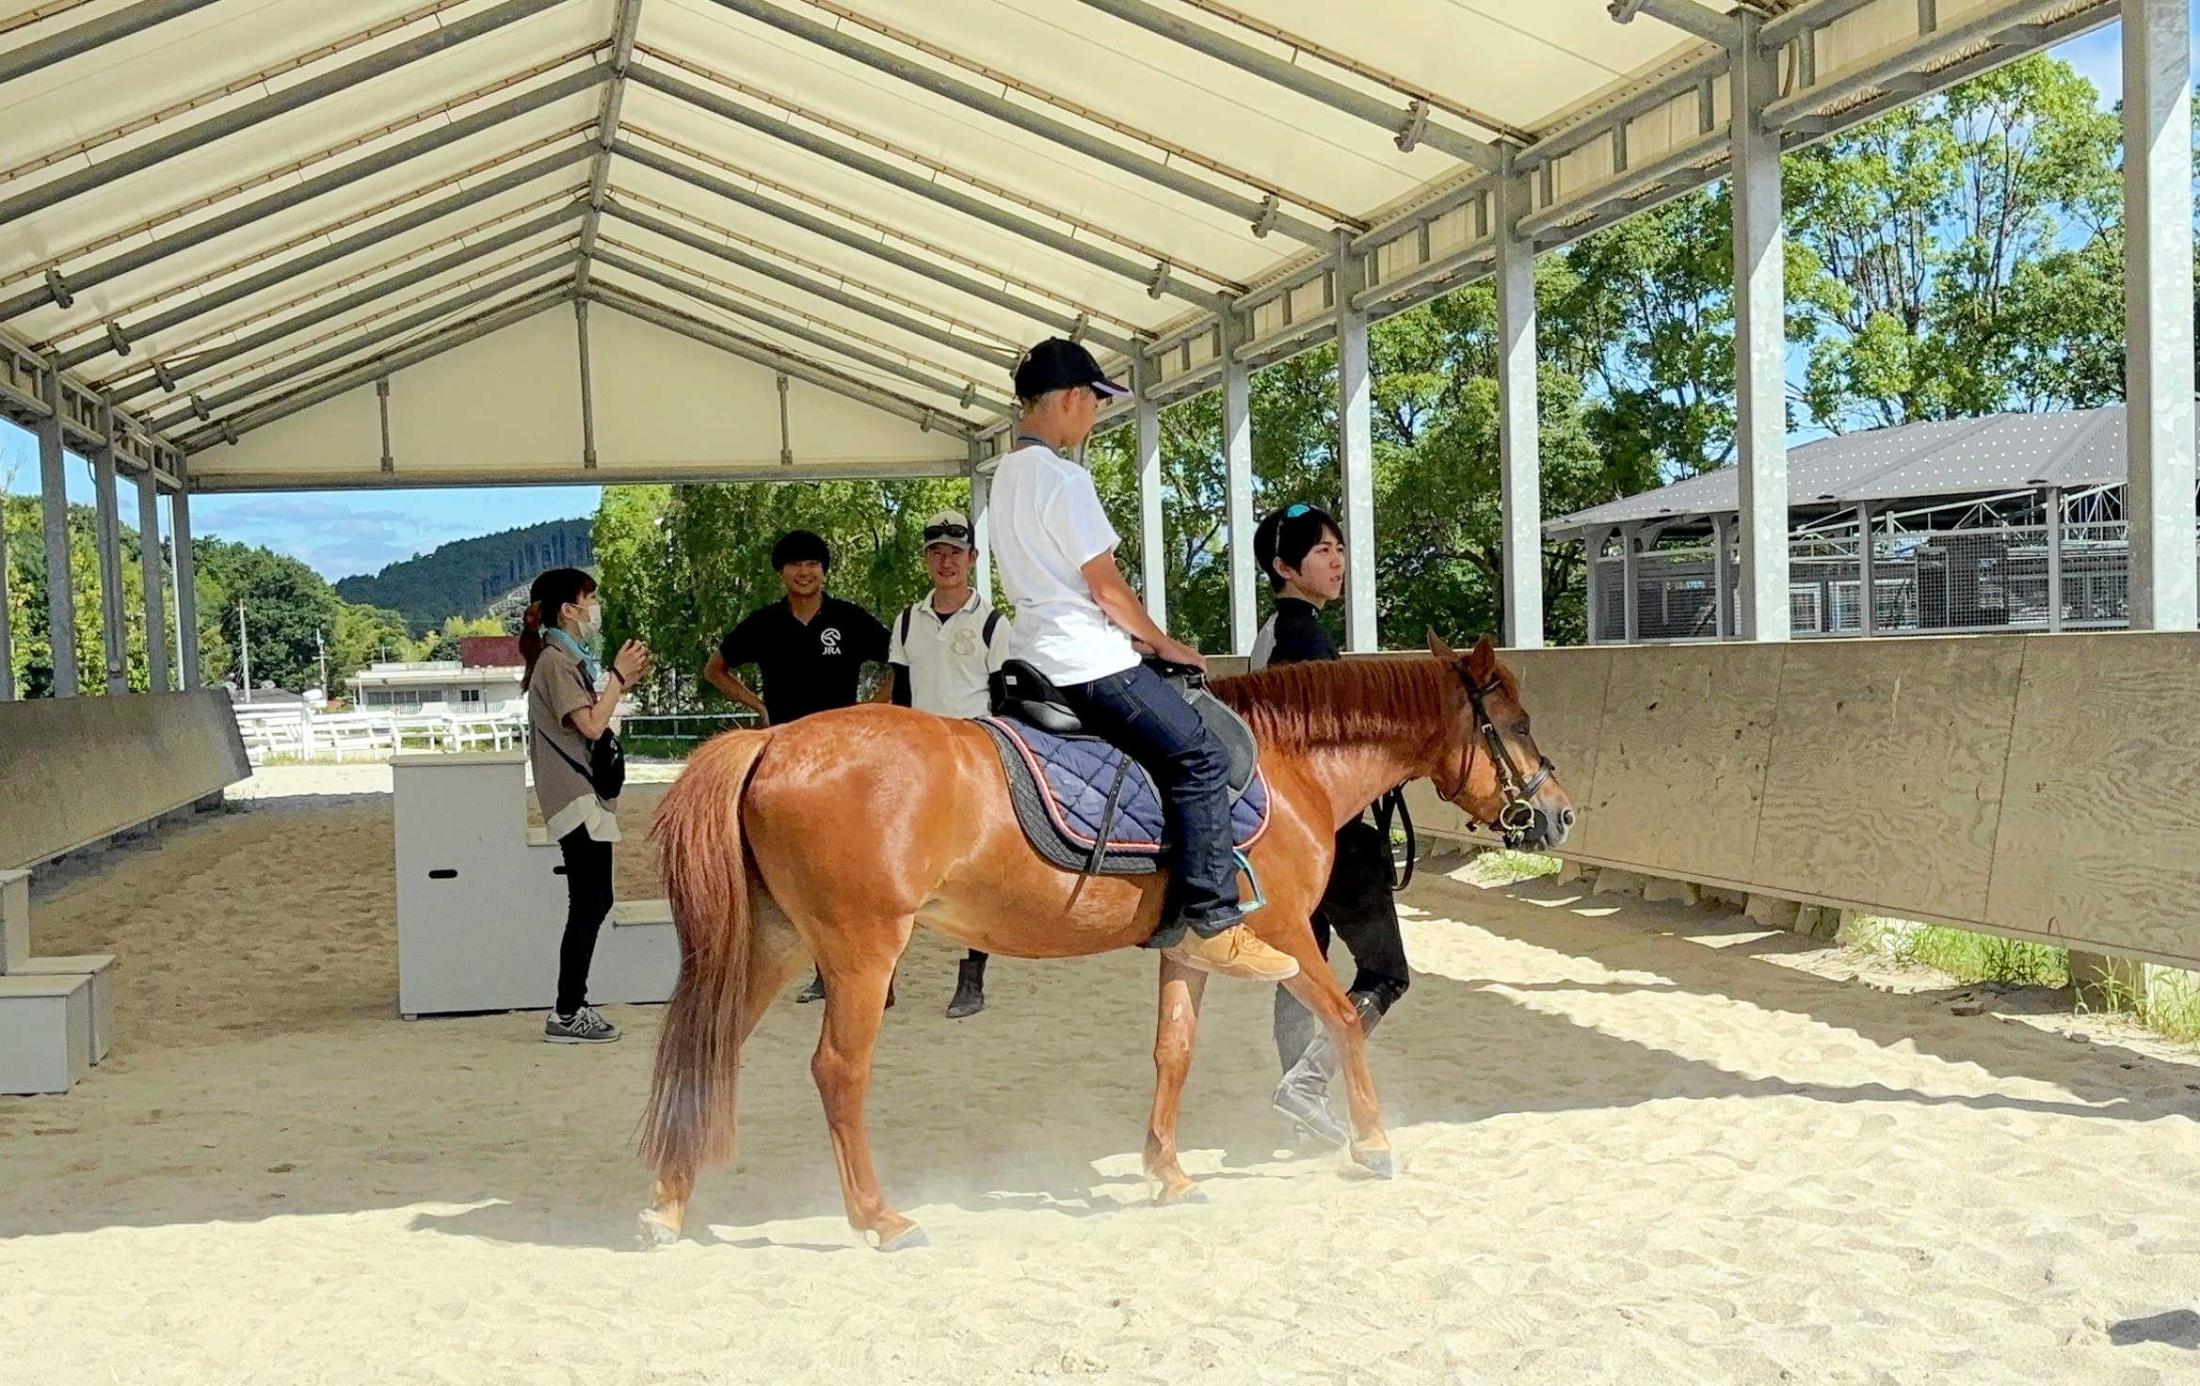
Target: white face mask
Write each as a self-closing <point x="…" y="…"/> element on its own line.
<point x="591" y="621"/>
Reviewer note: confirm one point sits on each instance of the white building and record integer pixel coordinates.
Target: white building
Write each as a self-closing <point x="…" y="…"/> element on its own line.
<point x="438" y="686"/>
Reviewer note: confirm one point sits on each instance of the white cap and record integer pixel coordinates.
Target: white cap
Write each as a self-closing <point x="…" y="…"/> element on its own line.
<point x="948" y="527"/>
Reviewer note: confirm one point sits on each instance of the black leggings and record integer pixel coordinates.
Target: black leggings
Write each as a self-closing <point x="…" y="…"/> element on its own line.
<point x="587" y="903"/>
<point x="1359" y="906"/>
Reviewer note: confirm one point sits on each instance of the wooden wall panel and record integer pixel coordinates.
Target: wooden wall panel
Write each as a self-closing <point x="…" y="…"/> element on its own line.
<point x="2100" y="830"/>
<point x="1886" y="770"/>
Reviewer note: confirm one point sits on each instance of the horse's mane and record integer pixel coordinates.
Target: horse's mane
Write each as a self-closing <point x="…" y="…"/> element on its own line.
<point x="1298" y="707"/>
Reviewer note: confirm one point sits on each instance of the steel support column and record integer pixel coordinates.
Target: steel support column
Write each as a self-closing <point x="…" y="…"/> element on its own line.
<point x="1592" y="554"/>
<point x="1237" y="482"/>
<point x="1630" y="596"/>
<point x="1760" y="343"/>
<point x="623" y="28"/>
<point x="155" y="574"/>
<point x="7" y="636"/>
<point x="1153" y="533"/>
<point x="1722" y="574"/>
<point x="53" y="491"/>
<point x="2054" y="558"/>
<point x="981" y="524"/>
<point x="190" y="673"/>
<point x="2158" y="311"/>
<point x="1356" y="454"/>
<point x="107" y="508"/>
<point x="588" y="384"/>
<point x="1520" y="488"/>
<point x="1866" y="574"/>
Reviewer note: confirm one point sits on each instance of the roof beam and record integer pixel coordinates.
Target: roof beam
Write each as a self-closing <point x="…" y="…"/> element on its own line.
<point x="858" y="241"/>
<point x="278" y="102"/>
<point x="732" y="343"/>
<point x="289" y="370"/>
<point x="967" y="391"/>
<point x="97" y="33"/>
<point x="465" y="255"/>
<point x="368" y="372"/>
<point x="1262" y="215"/>
<point x="1688" y="16"/>
<point x="607" y="128"/>
<point x="1409" y="126"/>
<point x="756" y="264"/>
<point x="200" y="232"/>
<point x="245" y="482"/>
<point x="335" y="250"/>
<point x="1155" y="279"/>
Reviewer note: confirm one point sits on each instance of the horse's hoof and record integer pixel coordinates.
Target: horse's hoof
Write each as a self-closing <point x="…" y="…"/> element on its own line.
<point x="655" y="1230"/>
<point x="1377" y="1163"/>
<point x="1169" y="1195"/>
<point x="907" y="1239"/>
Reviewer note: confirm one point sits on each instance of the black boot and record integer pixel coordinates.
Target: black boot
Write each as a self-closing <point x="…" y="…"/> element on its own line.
<point x="969" y="989"/>
<point x="815" y="991"/>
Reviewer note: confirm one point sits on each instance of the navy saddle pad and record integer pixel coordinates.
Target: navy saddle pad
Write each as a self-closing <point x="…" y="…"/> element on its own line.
<point x="1060" y="785"/>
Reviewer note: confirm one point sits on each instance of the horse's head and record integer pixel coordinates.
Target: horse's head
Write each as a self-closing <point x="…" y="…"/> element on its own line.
<point x="1489" y="766"/>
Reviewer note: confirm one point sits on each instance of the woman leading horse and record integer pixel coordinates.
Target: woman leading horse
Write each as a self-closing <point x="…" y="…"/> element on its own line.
<point x="763" y="870"/>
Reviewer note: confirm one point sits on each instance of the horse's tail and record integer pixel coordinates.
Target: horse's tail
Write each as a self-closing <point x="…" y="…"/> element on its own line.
<point x="689" y="1120"/>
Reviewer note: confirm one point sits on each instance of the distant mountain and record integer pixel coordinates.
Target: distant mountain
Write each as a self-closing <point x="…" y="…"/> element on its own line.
<point x="470" y="576"/>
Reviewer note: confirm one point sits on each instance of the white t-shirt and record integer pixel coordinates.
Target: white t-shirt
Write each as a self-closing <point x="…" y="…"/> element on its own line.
<point x="948" y="657"/>
<point x="1047" y="525"/>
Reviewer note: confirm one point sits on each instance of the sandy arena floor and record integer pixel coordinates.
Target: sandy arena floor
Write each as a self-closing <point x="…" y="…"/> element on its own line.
<point x="1637" y="1144"/>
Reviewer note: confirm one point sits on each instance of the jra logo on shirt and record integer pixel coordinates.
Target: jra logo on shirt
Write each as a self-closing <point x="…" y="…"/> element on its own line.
<point x="829" y="640"/>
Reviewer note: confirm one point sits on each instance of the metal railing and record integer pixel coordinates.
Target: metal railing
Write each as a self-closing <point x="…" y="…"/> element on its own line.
<point x="1932" y="582"/>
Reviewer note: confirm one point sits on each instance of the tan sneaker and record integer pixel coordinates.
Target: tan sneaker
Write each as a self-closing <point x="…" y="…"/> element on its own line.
<point x="1235" y="952"/>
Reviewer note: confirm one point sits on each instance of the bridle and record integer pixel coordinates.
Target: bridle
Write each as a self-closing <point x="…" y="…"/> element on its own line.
<point x="1517" y="813"/>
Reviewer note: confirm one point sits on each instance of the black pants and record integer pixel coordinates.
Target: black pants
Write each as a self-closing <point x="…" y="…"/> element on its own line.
<point x="587" y="903"/>
<point x="1359" y="907"/>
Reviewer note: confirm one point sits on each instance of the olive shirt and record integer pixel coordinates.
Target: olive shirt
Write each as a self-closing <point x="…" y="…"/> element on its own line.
<point x="560" y="688"/>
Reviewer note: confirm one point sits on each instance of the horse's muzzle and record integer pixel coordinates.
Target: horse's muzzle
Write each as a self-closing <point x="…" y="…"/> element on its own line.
<point x="1544" y="830"/>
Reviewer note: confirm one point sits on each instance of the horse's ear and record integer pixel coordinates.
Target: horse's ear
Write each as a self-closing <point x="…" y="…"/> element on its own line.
<point x="1482" y="661"/>
<point x="1437" y="647"/>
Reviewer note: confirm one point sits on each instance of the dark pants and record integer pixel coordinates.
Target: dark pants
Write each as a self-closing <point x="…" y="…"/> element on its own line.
<point x="587" y="902"/>
<point x="1359" y="907"/>
<point x="1140" y="712"/>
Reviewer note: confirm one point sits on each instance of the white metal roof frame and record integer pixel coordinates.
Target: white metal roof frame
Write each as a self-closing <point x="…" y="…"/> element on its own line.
<point x="235" y="221"/>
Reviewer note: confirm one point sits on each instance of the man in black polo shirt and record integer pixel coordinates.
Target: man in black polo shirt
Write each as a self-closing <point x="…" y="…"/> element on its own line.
<point x="809" y="647"/>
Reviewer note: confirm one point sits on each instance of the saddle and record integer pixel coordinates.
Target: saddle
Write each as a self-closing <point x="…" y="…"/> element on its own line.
<point x="1087" y="806"/>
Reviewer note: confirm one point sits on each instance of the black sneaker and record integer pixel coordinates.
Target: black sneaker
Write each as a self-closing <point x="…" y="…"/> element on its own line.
<point x="815" y="991"/>
<point x="584" y="1026"/>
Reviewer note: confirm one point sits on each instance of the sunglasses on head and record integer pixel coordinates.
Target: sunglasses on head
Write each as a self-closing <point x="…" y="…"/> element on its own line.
<point x="959" y="533"/>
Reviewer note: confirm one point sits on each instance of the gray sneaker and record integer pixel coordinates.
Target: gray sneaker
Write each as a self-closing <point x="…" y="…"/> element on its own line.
<point x="584" y="1026"/>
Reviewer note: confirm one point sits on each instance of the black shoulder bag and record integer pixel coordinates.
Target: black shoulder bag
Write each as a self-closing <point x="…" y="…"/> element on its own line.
<point x="606" y="768"/>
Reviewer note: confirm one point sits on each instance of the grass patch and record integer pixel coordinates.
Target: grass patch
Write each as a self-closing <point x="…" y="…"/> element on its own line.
<point x="2169" y="1005"/>
<point x="1505" y="868"/>
<point x="1962" y="954"/>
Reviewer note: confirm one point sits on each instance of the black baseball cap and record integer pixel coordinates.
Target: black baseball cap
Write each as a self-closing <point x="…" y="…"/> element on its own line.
<point x="1061" y="364"/>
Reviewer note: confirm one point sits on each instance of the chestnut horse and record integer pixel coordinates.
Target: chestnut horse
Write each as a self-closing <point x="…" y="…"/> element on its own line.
<point x="831" y="838"/>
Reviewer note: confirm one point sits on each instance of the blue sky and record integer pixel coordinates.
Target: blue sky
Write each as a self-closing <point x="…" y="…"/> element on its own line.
<point x="341" y="533"/>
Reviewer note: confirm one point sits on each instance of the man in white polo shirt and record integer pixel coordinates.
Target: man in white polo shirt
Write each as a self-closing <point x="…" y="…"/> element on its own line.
<point x="1076" y="619"/>
<point x="940" y="650"/>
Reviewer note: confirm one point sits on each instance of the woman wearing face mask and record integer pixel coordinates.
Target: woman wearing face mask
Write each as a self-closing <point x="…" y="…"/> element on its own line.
<point x="565" y="713"/>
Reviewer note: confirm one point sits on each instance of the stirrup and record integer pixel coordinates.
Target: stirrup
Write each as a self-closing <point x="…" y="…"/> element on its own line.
<point x="1252" y="878"/>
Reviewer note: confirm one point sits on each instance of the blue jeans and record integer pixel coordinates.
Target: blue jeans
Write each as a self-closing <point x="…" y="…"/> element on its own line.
<point x="1138" y="711"/>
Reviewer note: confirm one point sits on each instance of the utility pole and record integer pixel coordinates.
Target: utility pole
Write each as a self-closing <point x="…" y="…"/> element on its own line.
<point x="320" y="654"/>
<point x="244" y="645"/>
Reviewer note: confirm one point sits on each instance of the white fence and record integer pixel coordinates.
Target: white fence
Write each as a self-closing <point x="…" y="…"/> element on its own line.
<point x="295" y="732"/>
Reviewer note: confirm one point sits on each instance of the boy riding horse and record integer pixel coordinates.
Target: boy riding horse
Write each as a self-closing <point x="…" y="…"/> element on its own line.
<point x="1076" y="619"/>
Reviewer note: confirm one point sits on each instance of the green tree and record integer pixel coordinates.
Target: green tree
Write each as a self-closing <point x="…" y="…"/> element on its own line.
<point x="361" y="636"/>
<point x="287" y="610"/>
